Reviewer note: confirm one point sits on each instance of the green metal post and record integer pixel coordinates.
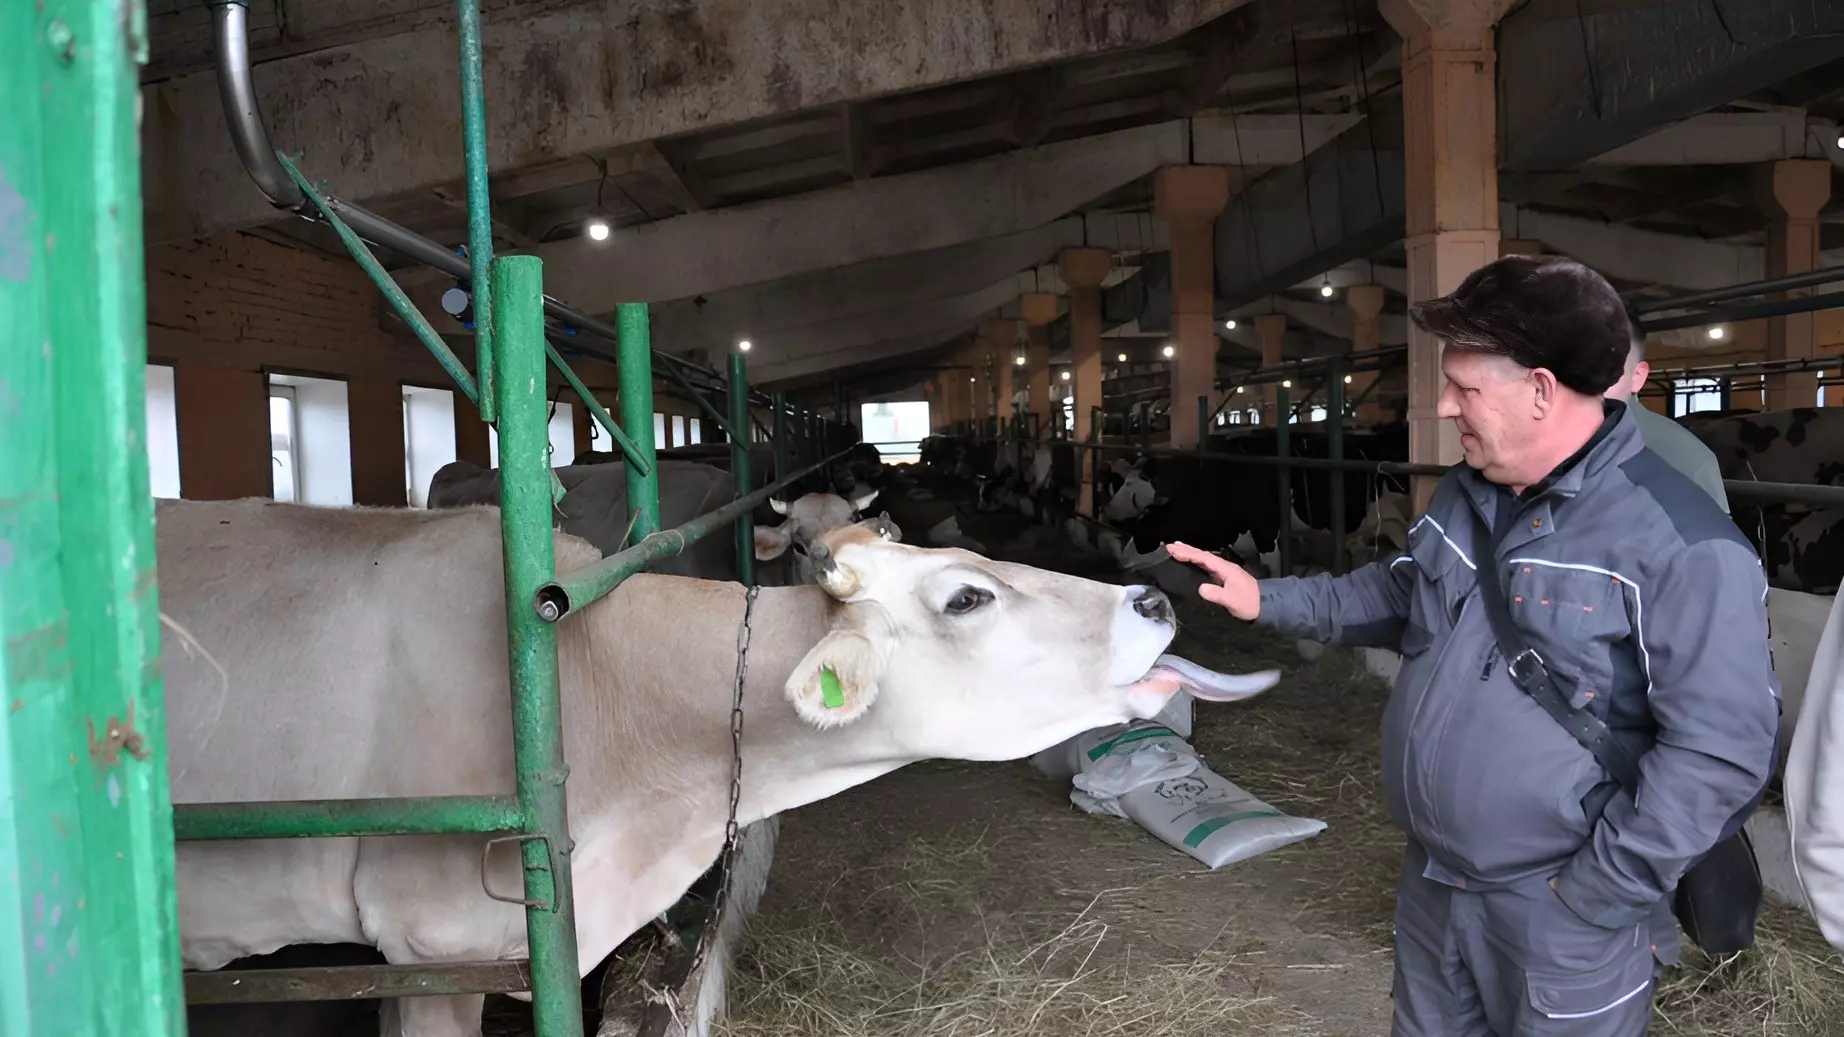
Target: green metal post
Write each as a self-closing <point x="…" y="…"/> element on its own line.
<point x="479" y="203"/>
<point x="636" y="379"/>
<point x="525" y="533"/>
<point x="1283" y="454"/>
<point x="86" y="840"/>
<point x="739" y="469"/>
<point x="1335" y="449"/>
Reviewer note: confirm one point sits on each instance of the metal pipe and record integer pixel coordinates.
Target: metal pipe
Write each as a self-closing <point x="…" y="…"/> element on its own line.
<point x="1283" y="450"/>
<point x="1335" y="450"/>
<point x="1741" y="291"/>
<point x="636" y="379"/>
<point x="1747" y="311"/>
<point x="784" y="456"/>
<point x="537" y="711"/>
<point x="237" y="91"/>
<point x="587" y="585"/>
<point x="479" y="203"/>
<point x="712" y="413"/>
<point x="629" y="450"/>
<point x="739" y="470"/>
<point x="339" y="818"/>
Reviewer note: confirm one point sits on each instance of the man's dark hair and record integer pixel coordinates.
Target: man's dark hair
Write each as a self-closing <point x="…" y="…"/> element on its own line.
<point x="1537" y="311"/>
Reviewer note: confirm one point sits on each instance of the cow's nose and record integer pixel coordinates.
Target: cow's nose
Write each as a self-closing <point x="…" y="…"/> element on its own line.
<point x="1152" y="603"/>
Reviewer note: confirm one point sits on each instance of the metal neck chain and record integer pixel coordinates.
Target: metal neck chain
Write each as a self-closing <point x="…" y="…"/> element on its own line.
<point x="727" y="859"/>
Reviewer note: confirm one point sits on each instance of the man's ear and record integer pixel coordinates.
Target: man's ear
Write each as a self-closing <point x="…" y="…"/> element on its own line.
<point x="771" y="542"/>
<point x="1641" y="371"/>
<point x="1547" y="389"/>
<point x="837" y="680"/>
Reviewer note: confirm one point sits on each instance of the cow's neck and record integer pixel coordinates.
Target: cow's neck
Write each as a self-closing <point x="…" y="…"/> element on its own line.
<point x="662" y="654"/>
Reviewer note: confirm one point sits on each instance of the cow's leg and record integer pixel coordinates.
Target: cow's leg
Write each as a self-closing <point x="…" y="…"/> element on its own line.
<point x="431" y="1016"/>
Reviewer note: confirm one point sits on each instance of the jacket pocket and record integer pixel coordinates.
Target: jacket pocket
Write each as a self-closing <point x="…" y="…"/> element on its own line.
<point x="1574" y="616"/>
<point x="1572" y="1003"/>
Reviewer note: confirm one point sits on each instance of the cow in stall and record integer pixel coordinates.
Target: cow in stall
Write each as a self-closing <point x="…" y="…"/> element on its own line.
<point x="1236" y="507"/>
<point x="319" y="622"/>
<point x="1802" y="547"/>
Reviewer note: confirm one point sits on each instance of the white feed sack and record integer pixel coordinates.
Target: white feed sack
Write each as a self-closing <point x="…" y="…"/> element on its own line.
<point x="1061" y="761"/>
<point x="1148" y="774"/>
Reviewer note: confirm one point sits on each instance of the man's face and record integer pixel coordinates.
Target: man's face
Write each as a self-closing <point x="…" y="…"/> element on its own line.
<point x="1493" y="403"/>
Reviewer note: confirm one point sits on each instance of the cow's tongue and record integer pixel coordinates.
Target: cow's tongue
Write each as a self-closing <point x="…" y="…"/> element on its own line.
<point x="1209" y="685"/>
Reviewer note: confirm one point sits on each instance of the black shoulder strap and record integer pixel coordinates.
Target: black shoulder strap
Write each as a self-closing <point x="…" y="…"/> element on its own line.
<point x="1532" y="674"/>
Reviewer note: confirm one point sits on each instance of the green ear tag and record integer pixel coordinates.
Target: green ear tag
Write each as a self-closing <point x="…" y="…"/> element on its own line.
<point x="830" y="692"/>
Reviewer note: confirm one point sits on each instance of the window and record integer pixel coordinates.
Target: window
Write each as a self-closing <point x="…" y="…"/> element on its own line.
<point x="560" y="431"/>
<point x="1318" y="414"/>
<point x="428" y="438"/>
<point x="678" y="430"/>
<point x="1254" y="415"/>
<point x="896" y="429"/>
<point x="697" y="431"/>
<point x="659" y="430"/>
<point x="162" y="433"/>
<point x="1690" y="395"/>
<point x="310" y="439"/>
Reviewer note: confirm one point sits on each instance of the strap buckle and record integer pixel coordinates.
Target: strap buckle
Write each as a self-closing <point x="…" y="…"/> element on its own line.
<point x="1528" y="655"/>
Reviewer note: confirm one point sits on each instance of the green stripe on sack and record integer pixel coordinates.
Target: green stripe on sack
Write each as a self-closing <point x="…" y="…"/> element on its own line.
<point x="1208" y="828"/>
<point x="1129" y="737"/>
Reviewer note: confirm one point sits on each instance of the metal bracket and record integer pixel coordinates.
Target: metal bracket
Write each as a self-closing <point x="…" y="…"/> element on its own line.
<point x="521" y="839"/>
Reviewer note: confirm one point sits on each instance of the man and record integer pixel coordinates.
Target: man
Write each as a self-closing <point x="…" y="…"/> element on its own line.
<point x="1677" y="445"/>
<point x="1534" y="897"/>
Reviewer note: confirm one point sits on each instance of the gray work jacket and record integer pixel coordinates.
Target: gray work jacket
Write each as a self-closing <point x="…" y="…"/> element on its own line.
<point x="1625" y="577"/>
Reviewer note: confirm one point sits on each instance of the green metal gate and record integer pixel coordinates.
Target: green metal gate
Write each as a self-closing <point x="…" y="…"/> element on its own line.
<point x="85" y="819"/>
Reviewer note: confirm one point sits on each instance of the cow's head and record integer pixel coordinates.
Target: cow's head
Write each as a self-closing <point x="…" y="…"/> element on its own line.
<point x="949" y="654"/>
<point x="804" y="520"/>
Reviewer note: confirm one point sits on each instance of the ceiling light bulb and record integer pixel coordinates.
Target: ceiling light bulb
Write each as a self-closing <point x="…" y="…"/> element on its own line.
<point x="1066" y="376"/>
<point x="1230" y="324"/>
<point x="1018" y="360"/>
<point x="1347" y="379"/>
<point x="598" y="230"/>
<point x="1288" y="384"/>
<point x="1326" y="290"/>
<point x="743" y="346"/>
<point x="1170" y="351"/>
<point x="1123" y="358"/>
<point x="1238" y="388"/>
<point x="1717" y="332"/>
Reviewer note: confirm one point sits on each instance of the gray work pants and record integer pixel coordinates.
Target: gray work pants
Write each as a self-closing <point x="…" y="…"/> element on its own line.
<point x="1518" y="962"/>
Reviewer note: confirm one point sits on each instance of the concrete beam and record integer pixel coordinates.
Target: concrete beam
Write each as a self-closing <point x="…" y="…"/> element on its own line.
<point x="1595" y="79"/>
<point x="838" y="340"/>
<point x="381" y="117"/>
<point x="766" y="313"/>
<point x="1343" y="203"/>
<point x="1671" y="260"/>
<point x="768" y="375"/>
<point x="1729" y="138"/>
<point x="854" y="223"/>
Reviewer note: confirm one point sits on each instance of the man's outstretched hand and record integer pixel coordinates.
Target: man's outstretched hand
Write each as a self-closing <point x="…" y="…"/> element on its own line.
<point x="1234" y="588"/>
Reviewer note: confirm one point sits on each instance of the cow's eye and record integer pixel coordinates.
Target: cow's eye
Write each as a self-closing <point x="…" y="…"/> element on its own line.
<point x="966" y="600"/>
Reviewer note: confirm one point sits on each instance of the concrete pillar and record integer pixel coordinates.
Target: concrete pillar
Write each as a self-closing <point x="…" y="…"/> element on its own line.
<point x="471" y="434"/>
<point x="982" y="380"/>
<point x="1083" y="270"/>
<point x="374" y="425"/>
<point x="1039" y="310"/>
<point x="1792" y="192"/>
<point x="223" y="420"/>
<point x="1190" y="198"/>
<point x="1366" y="304"/>
<point x="1450" y="131"/>
<point x="1272" y="327"/>
<point x="1003" y="334"/>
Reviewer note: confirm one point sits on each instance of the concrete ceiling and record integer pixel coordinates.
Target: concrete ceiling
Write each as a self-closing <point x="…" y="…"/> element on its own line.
<point x="854" y="185"/>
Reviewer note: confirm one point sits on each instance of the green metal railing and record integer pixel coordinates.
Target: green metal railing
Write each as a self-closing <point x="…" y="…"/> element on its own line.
<point x="86" y="847"/>
<point x="512" y="352"/>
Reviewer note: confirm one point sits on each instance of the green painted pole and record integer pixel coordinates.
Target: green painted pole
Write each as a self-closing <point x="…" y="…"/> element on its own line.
<point x="1283" y="452"/>
<point x="1335" y="450"/>
<point x="91" y="944"/>
<point x="636" y="379"/>
<point x="739" y="469"/>
<point x="537" y="720"/>
<point x="479" y="202"/>
<point x="304" y="818"/>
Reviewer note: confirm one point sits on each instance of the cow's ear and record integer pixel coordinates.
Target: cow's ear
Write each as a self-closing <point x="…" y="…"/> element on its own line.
<point x="780" y="506"/>
<point x="861" y="503"/>
<point x="771" y="542"/>
<point x="837" y="681"/>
